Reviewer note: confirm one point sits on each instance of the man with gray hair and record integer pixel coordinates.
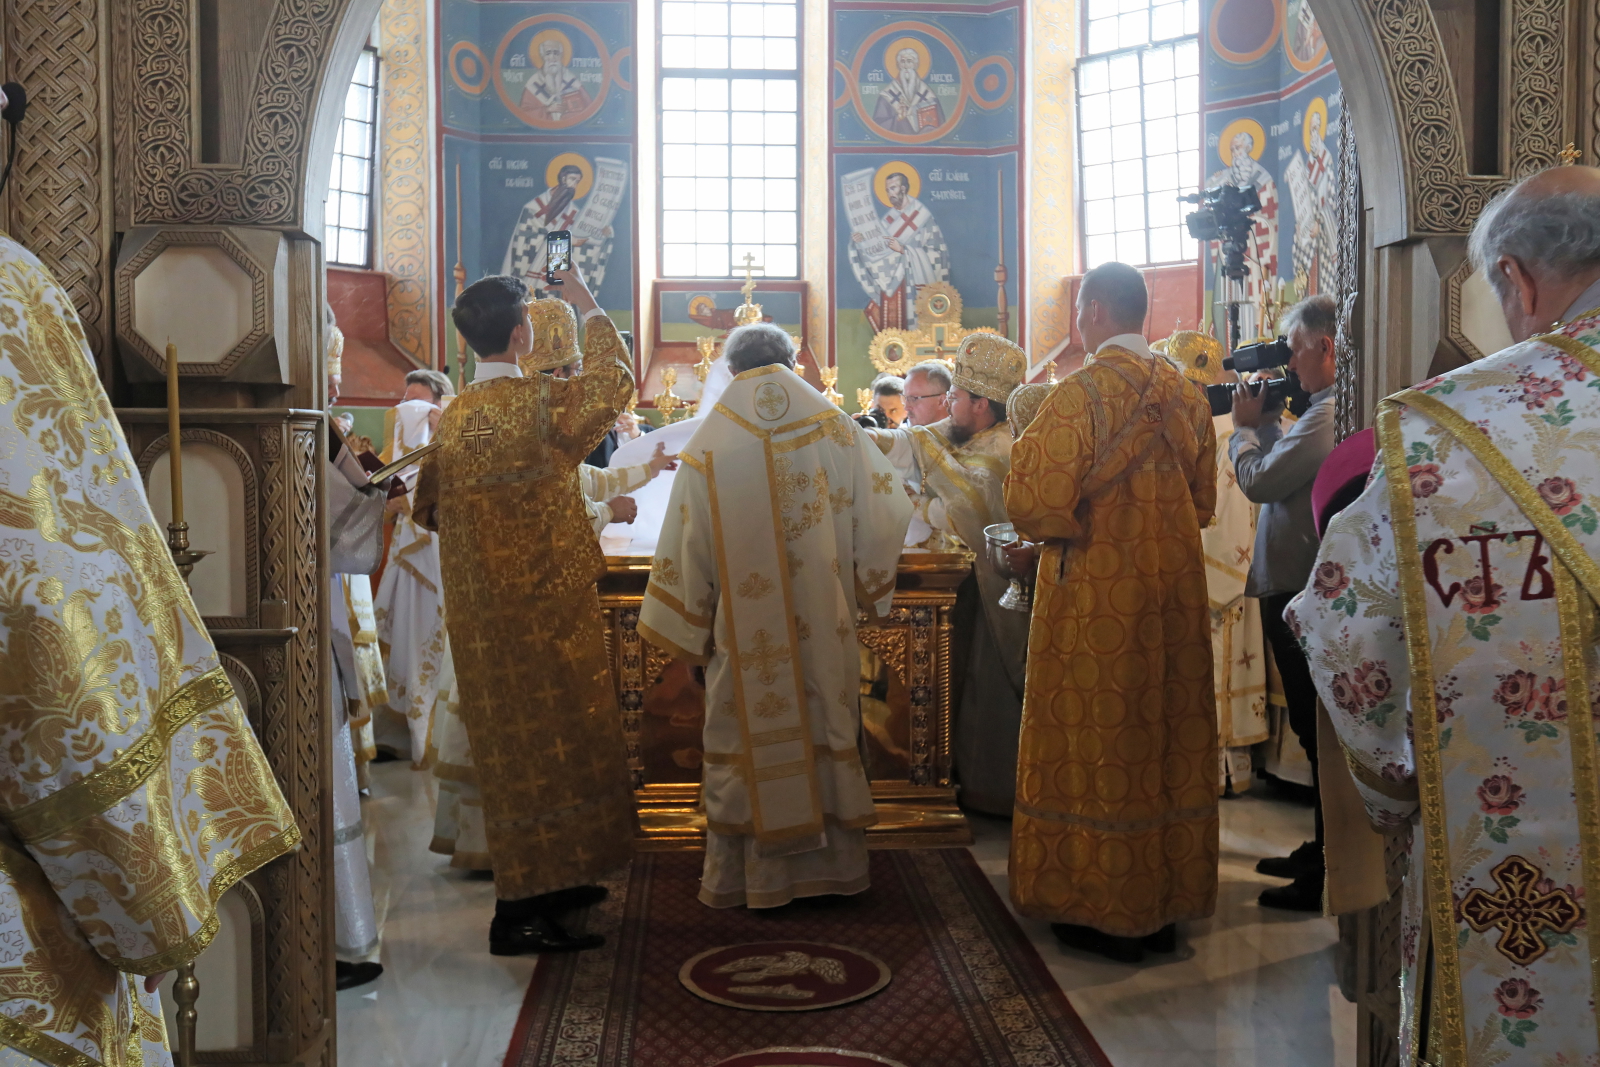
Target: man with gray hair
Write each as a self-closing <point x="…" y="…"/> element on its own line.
<point x="1450" y="628"/>
<point x="784" y="520"/>
<point x="927" y="392"/>
<point x="1276" y="469"/>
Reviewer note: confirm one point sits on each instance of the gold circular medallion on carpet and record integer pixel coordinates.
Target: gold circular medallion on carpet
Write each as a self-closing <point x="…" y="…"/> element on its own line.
<point x="784" y="976"/>
<point x="807" y="1057"/>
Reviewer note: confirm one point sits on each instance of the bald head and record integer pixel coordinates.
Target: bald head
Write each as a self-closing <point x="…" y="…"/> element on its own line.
<point x="1112" y="299"/>
<point x="1538" y="244"/>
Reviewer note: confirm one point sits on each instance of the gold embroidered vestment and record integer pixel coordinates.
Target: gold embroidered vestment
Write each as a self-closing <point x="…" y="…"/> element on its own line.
<point x="520" y="562"/>
<point x="1116" y="818"/>
<point x="132" y="791"/>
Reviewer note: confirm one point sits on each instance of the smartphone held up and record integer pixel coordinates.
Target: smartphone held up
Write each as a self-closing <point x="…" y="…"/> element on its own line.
<point x="558" y="255"/>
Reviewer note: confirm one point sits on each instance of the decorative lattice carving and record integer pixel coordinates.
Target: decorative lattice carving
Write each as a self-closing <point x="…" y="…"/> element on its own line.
<point x="57" y="197"/>
<point x="1348" y="416"/>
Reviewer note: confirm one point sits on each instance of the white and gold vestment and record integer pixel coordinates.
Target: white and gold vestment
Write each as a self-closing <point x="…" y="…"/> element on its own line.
<point x="1450" y="628"/>
<point x="784" y="519"/>
<point x="133" y="791"/>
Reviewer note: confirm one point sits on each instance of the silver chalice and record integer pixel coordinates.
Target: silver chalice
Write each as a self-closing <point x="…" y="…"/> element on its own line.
<point x="1019" y="595"/>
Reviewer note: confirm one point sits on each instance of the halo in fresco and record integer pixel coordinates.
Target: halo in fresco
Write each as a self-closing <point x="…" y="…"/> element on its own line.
<point x="549" y="94"/>
<point x="585" y="170"/>
<point x="1242" y="31"/>
<point x="924" y="57"/>
<point x="907" y="109"/>
<point x="1318" y="108"/>
<point x="551" y="34"/>
<point x="1258" y="139"/>
<point x="1303" y="43"/>
<point x="896" y="166"/>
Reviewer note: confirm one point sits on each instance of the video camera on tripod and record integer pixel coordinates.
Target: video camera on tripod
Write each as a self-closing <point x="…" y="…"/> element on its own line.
<point x="1225" y="216"/>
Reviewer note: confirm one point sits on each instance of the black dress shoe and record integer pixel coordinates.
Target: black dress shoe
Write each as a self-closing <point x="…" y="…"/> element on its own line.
<point x="538" y="933"/>
<point x="579" y="896"/>
<point x="1307" y="859"/>
<point x="1302" y="894"/>
<point x="350" y="975"/>
<point x="1163" y="940"/>
<point x="1088" y="939"/>
<point x="384" y="755"/>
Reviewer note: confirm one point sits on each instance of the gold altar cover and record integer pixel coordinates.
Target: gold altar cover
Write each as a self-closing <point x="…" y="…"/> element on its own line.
<point x="127" y="770"/>
<point x="520" y="563"/>
<point x="1116" y="818"/>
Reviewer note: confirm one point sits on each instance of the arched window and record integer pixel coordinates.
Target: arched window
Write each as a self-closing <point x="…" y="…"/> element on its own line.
<point x="347" y="239"/>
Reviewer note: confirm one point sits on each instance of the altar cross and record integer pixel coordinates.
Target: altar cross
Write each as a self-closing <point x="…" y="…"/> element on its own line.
<point x="749" y="286"/>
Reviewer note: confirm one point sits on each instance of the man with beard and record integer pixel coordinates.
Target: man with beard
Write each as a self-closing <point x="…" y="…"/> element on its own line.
<point x="554" y="209"/>
<point x="914" y="239"/>
<point x="960" y="464"/>
<point x="552" y="91"/>
<point x="907" y="105"/>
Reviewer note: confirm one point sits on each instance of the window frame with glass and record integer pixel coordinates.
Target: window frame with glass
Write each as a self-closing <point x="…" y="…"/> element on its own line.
<point x="701" y="198"/>
<point x="342" y="197"/>
<point x="1134" y="65"/>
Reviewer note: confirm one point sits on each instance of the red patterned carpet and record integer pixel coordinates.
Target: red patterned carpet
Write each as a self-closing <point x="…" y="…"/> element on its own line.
<point x="968" y="990"/>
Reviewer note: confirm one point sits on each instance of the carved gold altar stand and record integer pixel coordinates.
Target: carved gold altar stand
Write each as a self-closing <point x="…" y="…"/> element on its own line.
<point x="905" y="708"/>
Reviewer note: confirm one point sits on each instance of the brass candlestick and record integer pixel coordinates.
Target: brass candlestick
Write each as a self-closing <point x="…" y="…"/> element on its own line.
<point x="185" y="992"/>
<point x="178" y="544"/>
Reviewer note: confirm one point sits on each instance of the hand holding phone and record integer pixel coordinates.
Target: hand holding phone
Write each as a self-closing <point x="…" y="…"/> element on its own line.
<point x="558" y="255"/>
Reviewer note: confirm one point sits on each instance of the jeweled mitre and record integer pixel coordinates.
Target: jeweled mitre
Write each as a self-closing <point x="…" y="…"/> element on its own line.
<point x="1198" y="355"/>
<point x="989" y="366"/>
<point x="1024" y="403"/>
<point x="555" y="336"/>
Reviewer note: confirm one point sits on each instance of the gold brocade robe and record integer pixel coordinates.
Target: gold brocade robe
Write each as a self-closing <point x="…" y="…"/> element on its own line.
<point x="1116" y="816"/>
<point x="520" y="562"/>
<point x="132" y="791"/>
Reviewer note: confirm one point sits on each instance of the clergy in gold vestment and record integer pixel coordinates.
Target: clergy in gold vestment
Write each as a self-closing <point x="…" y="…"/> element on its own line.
<point x="784" y="520"/>
<point x="133" y="792"/>
<point x="1115" y="833"/>
<point x="520" y="563"/>
<point x="960" y="464"/>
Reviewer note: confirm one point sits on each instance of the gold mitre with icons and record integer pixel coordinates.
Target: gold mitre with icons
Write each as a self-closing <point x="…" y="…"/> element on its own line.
<point x="989" y="366"/>
<point x="555" y="336"/>
<point x="1198" y="355"/>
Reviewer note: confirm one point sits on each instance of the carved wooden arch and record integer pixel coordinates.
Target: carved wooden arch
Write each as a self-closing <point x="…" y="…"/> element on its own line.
<point x="247" y="472"/>
<point x="308" y="54"/>
<point x="1403" y="102"/>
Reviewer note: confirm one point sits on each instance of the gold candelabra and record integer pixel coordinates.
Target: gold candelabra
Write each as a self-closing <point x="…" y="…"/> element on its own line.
<point x="667" y="401"/>
<point x="830" y="378"/>
<point x="708" y="352"/>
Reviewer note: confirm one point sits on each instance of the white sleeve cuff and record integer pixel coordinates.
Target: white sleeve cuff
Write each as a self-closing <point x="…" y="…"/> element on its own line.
<point x="592" y="312"/>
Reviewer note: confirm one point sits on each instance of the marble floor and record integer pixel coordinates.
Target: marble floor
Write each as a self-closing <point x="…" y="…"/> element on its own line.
<point x="1247" y="988"/>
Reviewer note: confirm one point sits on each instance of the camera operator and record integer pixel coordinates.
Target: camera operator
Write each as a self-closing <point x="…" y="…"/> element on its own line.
<point x="1276" y="470"/>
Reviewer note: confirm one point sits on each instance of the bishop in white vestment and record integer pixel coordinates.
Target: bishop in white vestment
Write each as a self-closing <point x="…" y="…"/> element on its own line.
<point x="784" y="522"/>
<point x="1450" y="626"/>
